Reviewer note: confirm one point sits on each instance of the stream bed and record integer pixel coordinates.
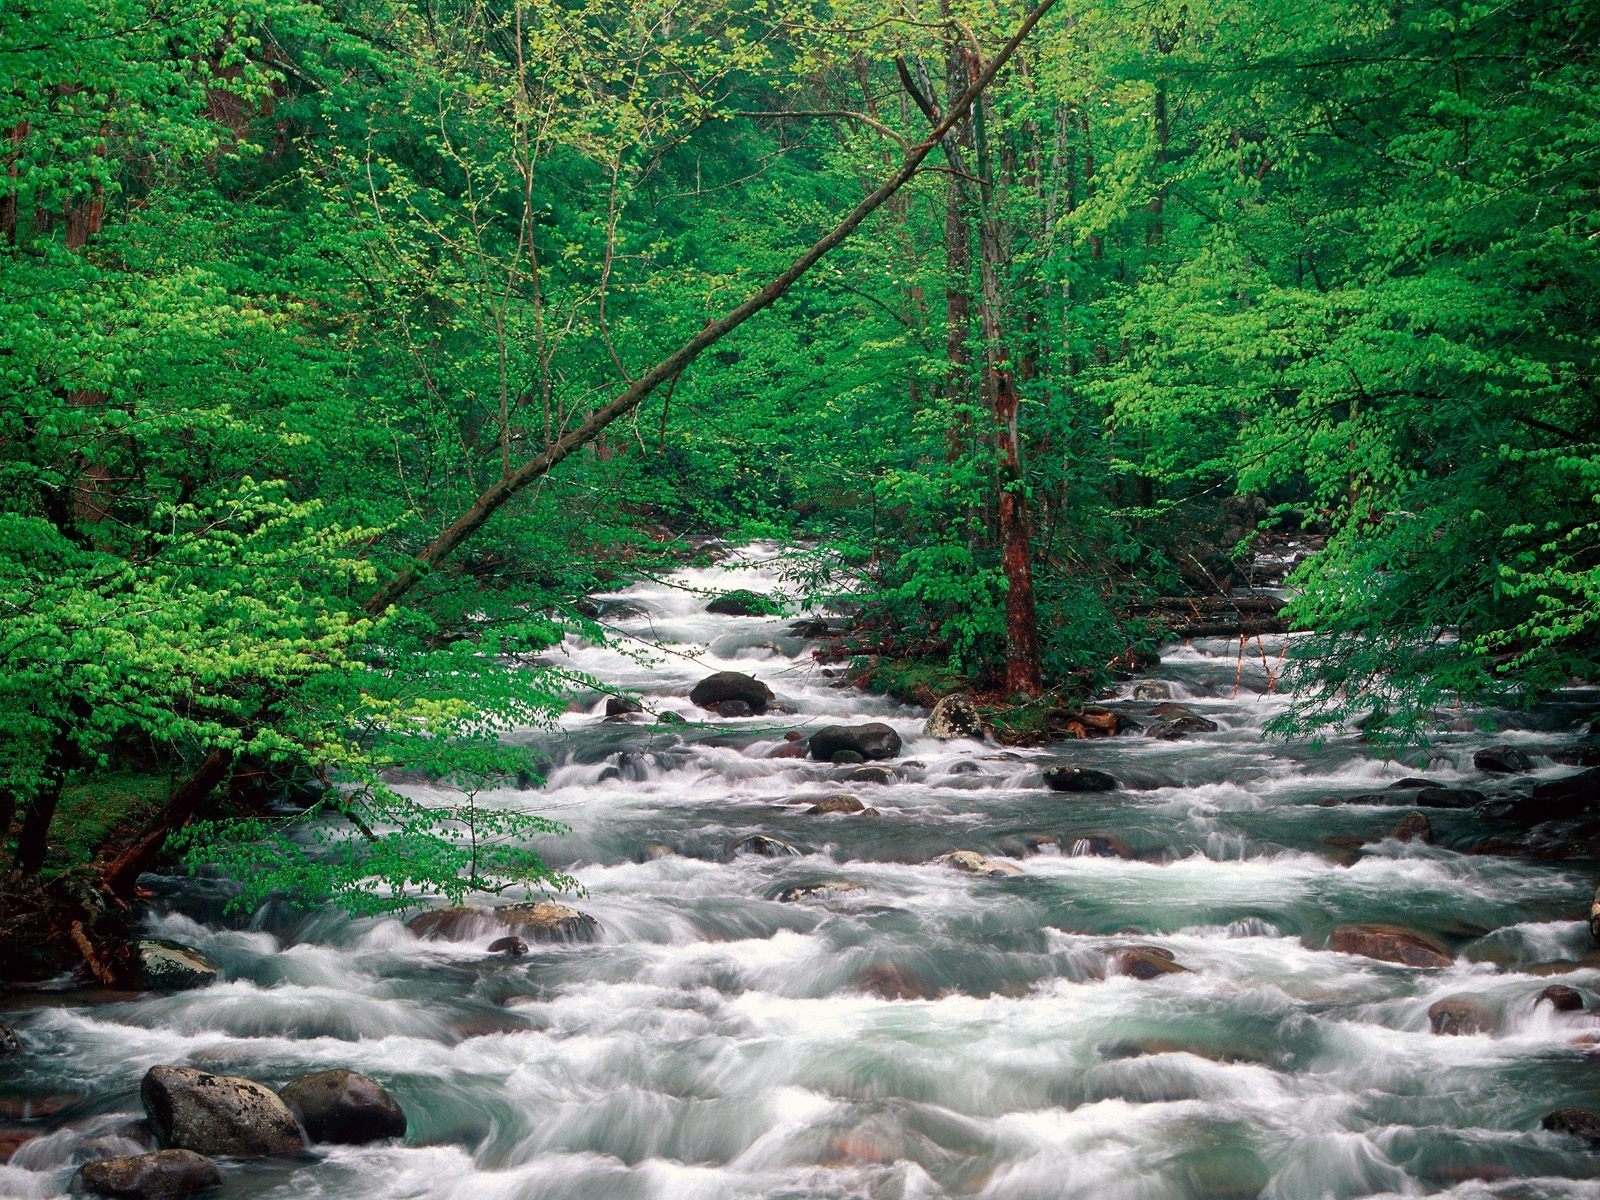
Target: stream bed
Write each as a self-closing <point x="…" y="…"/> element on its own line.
<point x="905" y="1029"/>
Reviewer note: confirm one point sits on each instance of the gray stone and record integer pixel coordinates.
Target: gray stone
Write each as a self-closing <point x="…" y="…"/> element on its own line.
<point x="1502" y="760"/>
<point x="195" y="1110"/>
<point x="1180" y="726"/>
<point x="148" y="1176"/>
<point x="766" y="847"/>
<point x="870" y="775"/>
<point x="172" y="967"/>
<point x="344" y="1106"/>
<point x="973" y="863"/>
<point x="1152" y="689"/>
<point x="1579" y="1122"/>
<point x="954" y="717"/>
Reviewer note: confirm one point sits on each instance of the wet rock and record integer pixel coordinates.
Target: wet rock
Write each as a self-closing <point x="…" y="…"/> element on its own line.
<point x="1146" y="962"/>
<point x="10" y="1043"/>
<point x="1098" y="845"/>
<point x="846" y="758"/>
<point x="1460" y="1016"/>
<point x="1412" y="783"/>
<point x="740" y="603"/>
<point x="1152" y="689"/>
<point x="653" y="851"/>
<point x="1579" y="1122"/>
<point x="1042" y="843"/>
<point x="514" y="947"/>
<point x="195" y="1110"/>
<point x="809" y="627"/>
<point x="734" y="708"/>
<point x="617" y="706"/>
<point x="1178" y="727"/>
<point x="1413" y="827"/>
<point x="1561" y="799"/>
<point x="667" y="717"/>
<point x="954" y="717"/>
<point x="1502" y="760"/>
<point x="1439" y="797"/>
<point x="344" y="1107"/>
<point x="148" y="1176"/>
<point x="766" y="847"/>
<point x="1078" y="779"/>
<point x="871" y="741"/>
<point x="712" y="691"/>
<point x="890" y="982"/>
<point x="828" y="889"/>
<point x="789" y="750"/>
<point x="1561" y="998"/>
<point x="965" y="767"/>
<point x="974" y="863"/>
<point x="543" y="921"/>
<point x="1390" y="943"/>
<point x="838" y="804"/>
<point x="880" y="775"/>
<point x="173" y="967"/>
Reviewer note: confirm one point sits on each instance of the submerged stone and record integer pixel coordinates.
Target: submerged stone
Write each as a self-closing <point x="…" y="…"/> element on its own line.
<point x="1390" y="943"/>
<point x="148" y="1176"/>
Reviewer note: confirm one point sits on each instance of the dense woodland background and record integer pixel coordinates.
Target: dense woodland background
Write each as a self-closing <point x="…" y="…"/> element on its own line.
<point x="285" y="287"/>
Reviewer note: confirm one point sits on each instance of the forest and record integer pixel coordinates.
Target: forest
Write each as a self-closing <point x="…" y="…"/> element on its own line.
<point x="456" y="454"/>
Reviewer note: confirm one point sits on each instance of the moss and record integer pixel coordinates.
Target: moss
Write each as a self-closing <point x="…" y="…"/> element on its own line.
<point x="95" y="807"/>
<point x="913" y="681"/>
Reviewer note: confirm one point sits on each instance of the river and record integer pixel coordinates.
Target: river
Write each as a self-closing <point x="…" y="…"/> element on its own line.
<point x="915" y="1031"/>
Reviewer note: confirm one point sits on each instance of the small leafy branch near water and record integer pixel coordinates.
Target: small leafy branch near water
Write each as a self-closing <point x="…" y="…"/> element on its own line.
<point x="374" y="850"/>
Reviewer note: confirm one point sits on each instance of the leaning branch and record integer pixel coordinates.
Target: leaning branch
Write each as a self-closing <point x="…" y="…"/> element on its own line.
<point x="673" y="365"/>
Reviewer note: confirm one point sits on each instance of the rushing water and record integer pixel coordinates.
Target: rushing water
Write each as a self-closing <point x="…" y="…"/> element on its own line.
<point x="720" y="1043"/>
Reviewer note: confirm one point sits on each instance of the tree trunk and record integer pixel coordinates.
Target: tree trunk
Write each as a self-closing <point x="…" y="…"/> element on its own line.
<point x="40" y="811"/>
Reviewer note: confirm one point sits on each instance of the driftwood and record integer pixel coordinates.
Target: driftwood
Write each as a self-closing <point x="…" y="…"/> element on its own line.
<point x="1213" y="616"/>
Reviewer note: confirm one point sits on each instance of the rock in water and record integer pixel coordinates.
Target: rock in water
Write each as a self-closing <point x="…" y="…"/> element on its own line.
<point x="10" y="1043"/>
<point x="740" y="603"/>
<point x="767" y="847"/>
<point x="1561" y="998"/>
<point x="954" y="717"/>
<point x="1078" y="779"/>
<point x="839" y="804"/>
<point x="1460" y="1016"/>
<point x="1390" y="943"/>
<point x="515" y="947"/>
<point x="344" y="1106"/>
<point x="974" y="863"/>
<point x="734" y="708"/>
<point x="1152" y="689"/>
<point x="617" y="706"/>
<point x="172" y="967"/>
<point x="148" y="1176"/>
<point x="731" y="685"/>
<point x="1146" y="962"/>
<point x="1412" y="827"/>
<point x="1579" y="1122"/>
<point x="881" y="775"/>
<point x="543" y="921"/>
<point x="1502" y="760"/>
<point x="873" y="740"/>
<point x="218" y="1114"/>
<point x="1180" y="726"/>
<point x="826" y="890"/>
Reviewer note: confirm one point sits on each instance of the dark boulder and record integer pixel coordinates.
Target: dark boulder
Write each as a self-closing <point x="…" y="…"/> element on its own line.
<point x="734" y="708"/>
<point x="871" y="741"/>
<point x="10" y="1043"/>
<point x="878" y="775"/>
<point x="1413" y="827"/>
<point x="1502" y="760"/>
<point x="1146" y="962"/>
<point x="1579" y="1122"/>
<point x="173" y="967"/>
<point x="741" y="603"/>
<point x="1412" y="783"/>
<point x="617" y="706"/>
<point x="1439" y="797"/>
<point x="1078" y="779"/>
<point x="1561" y="799"/>
<point x="731" y="685"/>
<point x="543" y="921"/>
<point x="1561" y="998"/>
<point x="789" y="750"/>
<point x="1180" y="726"/>
<point x="667" y="717"/>
<point x="345" y="1107"/>
<point x="954" y="717"/>
<point x="1390" y="943"/>
<point x="511" y="946"/>
<point x="148" y="1176"/>
<point x="766" y="847"/>
<point x="195" y="1110"/>
<point x="846" y="758"/>
<point x="1460" y="1016"/>
<point x="840" y="804"/>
